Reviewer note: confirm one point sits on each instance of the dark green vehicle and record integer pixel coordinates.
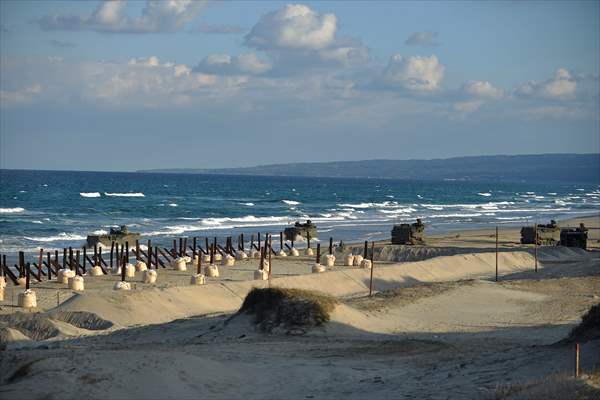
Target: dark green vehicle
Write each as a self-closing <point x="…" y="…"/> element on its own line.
<point x="574" y="237"/>
<point x="119" y="235"/>
<point x="409" y="233"/>
<point x="547" y="234"/>
<point x="301" y="231"/>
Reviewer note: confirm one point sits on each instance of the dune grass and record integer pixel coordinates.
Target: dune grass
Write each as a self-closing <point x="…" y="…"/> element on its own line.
<point x="287" y="308"/>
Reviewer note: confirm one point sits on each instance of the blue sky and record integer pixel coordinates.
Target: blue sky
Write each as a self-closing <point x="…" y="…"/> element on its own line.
<point x="132" y="85"/>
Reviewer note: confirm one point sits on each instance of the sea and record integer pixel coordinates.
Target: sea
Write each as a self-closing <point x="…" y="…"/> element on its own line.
<point x="57" y="209"/>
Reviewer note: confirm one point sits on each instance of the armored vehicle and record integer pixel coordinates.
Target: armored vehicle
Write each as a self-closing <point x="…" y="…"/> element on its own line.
<point x="119" y="235"/>
<point x="574" y="237"/>
<point x="409" y="233"/>
<point x="300" y="231"/>
<point x="548" y="234"/>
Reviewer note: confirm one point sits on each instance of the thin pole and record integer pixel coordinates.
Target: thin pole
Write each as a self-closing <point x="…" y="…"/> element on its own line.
<point x="281" y="241"/>
<point x="77" y="263"/>
<point x="318" y="253"/>
<point x="270" y="251"/>
<point x="496" y="254"/>
<point x="577" y="348"/>
<point x="536" y="248"/>
<point x="174" y="248"/>
<point x="48" y="258"/>
<point x="199" y="268"/>
<point x="372" y="267"/>
<point x="27" y="270"/>
<point x="365" y="251"/>
<point x="194" y="248"/>
<point x="330" y="245"/>
<point x="112" y="248"/>
<point x="22" y="264"/>
<point x="40" y="258"/>
<point x="150" y="257"/>
<point x="308" y="239"/>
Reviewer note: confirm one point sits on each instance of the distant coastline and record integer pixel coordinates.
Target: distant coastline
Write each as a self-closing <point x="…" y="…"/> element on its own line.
<point x="566" y="168"/>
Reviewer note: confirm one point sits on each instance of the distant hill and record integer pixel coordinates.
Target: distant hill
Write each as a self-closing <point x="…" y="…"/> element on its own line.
<point x="581" y="168"/>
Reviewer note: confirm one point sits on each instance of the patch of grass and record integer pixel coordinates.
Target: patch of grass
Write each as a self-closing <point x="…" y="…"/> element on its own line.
<point x="553" y="387"/>
<point x="589" y="328"/>
<point x="288" y="308"/>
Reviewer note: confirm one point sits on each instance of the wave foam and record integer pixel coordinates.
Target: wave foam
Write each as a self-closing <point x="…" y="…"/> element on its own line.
<point x="291" y="202"/>
<point x="89" y="194"/>
<point x="138" y="194"/>
<point x="61" y="236"/>
<point x="11" y="210"/>
<point x="485" y="194"/>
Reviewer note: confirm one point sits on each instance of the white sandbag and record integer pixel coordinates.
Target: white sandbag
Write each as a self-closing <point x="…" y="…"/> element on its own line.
<point x="212" y="271"/>
<point x="309" y="252"/>
<point x="358" y="259"/>
<point x="76" y="283"/>
<point x="130" y="270"/>
<point x="255" y="254"/>
<point x="120" y="285"/>
<point x="329" y="260"/>
<point x="366" y="264"/>
<point x="228" y="261"/>
<point x="149" y="276"/>
<point x="294" y="252"/>
<point x="140" y="266"/>
<point x="261" y="275"/>
<point x="198" y="279"/>
<point x="282" y="253"/>
<point x="349" y="260"/>
<point x="179" y="264"/>
<point x="27" y="299"/>
<point x="64" y="274"/>
<point x="218" y="257"/>
<point x="2" y="282"/>
<point x="96" y="271"/>
<point x="317" y="268"/>
<point x="240" y="255"/>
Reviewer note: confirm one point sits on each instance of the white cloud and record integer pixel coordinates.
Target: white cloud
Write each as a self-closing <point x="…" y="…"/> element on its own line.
<point x="415" y="73"/>
<point x="562" y="86"/>
<point x="426" y="39"/>
<point x="466" y="107"/>
<point x="109" y="16"/>
<point x="224" y="64"/>
<point x="24" y="96"/>
<point x="482" y="89"/>
<point x="294" y="27"/>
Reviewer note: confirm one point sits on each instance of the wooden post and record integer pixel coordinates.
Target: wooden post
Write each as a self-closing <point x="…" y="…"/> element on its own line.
<point x="577" y="348"/>
<point x="259" y="240"/>
<point x="56" y="261"/>
<point x="95" y="252"/>
<point x="212" y="254"/>
<point x="270" y="251"/>
<point x="206" y="245"/>
<point x="84" y="258"/>
<point x="122" y="267"/>
<point x="261" y="265"/>
<point x="281" y="241"/>
<point x="318" y="253"/>
<point x="156" y="257"/>
<point x="365" y="251"/>
<point x="251" y="242"/>
<point x="112" y="248"/>
<point x="22" y="264"/>
<point x="496" y="254"/>
<point x="536" y="248"/>
<point x="77" y="263"/>
<point x="117" y="256"/>
<point x="70" y="258"/>
<point x="126" y="252"/>
<point x="27" y="272"/>
<point x="64" y="260"/>
<point x="330" y="245"/>
<point x="372" y="268"/>
<point x="137" y="250"/>
<point x="241" y="243"/>
<point x="149" y="246"/>
<point x="174" y="248"/>
<point x="292" y="242"/>
<point x="308" y="239"/>
<point x="194" y="248"/>
<point x="48" y="258"/>
<point x="40" y="258"/>
<point x="199" y="267"/>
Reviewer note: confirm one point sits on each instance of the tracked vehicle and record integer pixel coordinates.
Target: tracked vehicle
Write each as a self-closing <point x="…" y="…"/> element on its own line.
<point x="574" y="237"/>
<point x="409" y="233"/>
<point x="119" y="235"/>
<point x="300" y="231"/>
<point x="547" y="234"/>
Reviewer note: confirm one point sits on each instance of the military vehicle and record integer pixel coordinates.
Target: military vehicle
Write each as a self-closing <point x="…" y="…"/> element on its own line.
<point x="119" y="235"/>
<point x="300" y="231"/>
<point x="547" y="234"/>
<point x="409" y="233"/>
<point x="574" y="237"/>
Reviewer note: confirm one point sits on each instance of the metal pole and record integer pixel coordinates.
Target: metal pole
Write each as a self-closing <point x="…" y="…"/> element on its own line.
<point x="496" y="254"/>
<point x="577" y="348"/>
<point x="536" y="248"/>
<point x="372" y="267"/>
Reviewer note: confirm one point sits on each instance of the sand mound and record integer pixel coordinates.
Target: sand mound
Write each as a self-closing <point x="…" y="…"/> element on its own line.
<point x="289" y="309"/>
<point x="553" y="387"/>
<point x="589" y="328"/>
<point x="21" y="326"/>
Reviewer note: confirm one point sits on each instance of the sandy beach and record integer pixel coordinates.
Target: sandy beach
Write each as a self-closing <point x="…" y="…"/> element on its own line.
<point x="437" y="326"/>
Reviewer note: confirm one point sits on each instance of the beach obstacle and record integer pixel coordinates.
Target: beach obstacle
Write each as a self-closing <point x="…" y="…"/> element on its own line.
<point x="212" y="270"/>
<point x="122" y="284"/>
<point x="282" y="252"/>
<point x="28" y="298"/>
<point x="76" y="283"/>
<point x="149" y="276"/>
<point x="366" y="263"/>
<point x="2" y="278"/>
<point x="309" y="251"/>
<point x="372" y="268"/>
<point x="241" y="254"/>
<point x="317" y="267"/>
<point x="349" y="260"/>
<point x="198" y="278"/>
<point x="330" y="258"/>
<point x="261" y="273"/>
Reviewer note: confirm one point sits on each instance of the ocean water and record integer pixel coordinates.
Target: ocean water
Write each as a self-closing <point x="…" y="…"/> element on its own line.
<point x="52" y="210"/>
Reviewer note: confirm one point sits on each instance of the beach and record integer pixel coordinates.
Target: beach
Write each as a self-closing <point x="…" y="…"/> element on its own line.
<point x="438" y="326"/>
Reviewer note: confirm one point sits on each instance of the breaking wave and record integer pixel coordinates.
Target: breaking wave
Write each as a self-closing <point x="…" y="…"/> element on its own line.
<point x="138" y="194"/>
<point x="89" y="194"/>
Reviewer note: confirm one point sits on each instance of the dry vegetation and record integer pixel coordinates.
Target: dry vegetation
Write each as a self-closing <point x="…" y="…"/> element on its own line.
<point x="589" y="328"/>
<point x="554" y="387"/>
<point x="287" y="308"/>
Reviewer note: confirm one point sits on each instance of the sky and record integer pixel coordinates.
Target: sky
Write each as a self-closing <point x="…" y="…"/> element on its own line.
<point x="128" y="85"/>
